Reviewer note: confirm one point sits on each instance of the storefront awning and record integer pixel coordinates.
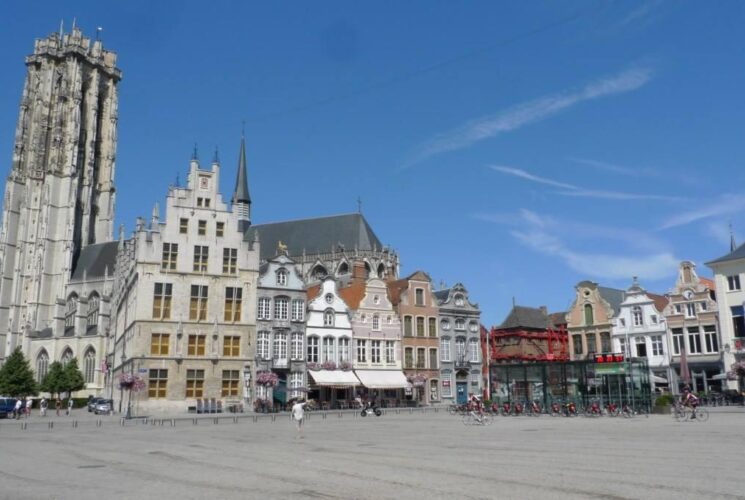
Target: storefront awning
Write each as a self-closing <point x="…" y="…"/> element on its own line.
<point x="658" y="380"/>
<point x="383" y="379"/>
<point x="334" y="378"/>
<point x="719" y="376"/>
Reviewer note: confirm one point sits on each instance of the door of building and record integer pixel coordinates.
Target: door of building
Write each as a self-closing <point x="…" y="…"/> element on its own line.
<point x="462" y="392"/>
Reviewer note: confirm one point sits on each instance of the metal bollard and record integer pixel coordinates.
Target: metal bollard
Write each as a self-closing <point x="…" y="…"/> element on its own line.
<point x="215" y="420"/>
<point x="195" y="421"/>
<point x="173" y="422"/>
<point x="98" y="423"/>
<point x="256" y="418"/>
<point x="51" y="424"/>
<point x="324" y="415"/>
<point x="340" y="415"/>
<point x="235" y="420"/>
<point x="74" y="424"/>
<point x="24" y="425"/>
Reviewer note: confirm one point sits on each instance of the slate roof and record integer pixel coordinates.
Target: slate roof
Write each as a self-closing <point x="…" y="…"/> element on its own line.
<point x="317" y="235"/>
<point x="526" y="317"/>
<point x="736" y="254"/>
<point x="558" y="318"/>
<point x="613" y="296"/>
<point x="660" y="301"/>
<point x="442" y="295"/>
<point x="94" y="259"/>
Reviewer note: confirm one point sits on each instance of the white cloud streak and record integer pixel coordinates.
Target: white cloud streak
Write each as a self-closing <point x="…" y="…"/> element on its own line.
<point x="617" y="169"/>
<point x="529" y="112"/>
<point x="517" y="172"/>
<point x="726" y="204"/>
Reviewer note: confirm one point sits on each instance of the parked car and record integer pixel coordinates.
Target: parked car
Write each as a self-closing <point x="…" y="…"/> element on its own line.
<point x="92" y="403"/>
<point x="103" y="406"/>
<point x="7" y="406"/>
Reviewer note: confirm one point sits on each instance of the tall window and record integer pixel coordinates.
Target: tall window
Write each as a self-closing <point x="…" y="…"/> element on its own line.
<point x="159" y="343"/>
<point x="419" y="294"/>
<point x="409" y="357"/>
<point x="328" y="349"/>
<point x="690" y="309"/>
<point x="231" y="382"/>
<point x="231" y="346"/>
<point x="296" y="381"/>
<point x="162" y="300"/>
<point x="194" y="383"/>
<point x="198" y="304"/>
<point x="459" y="300"/>
<point x="433" y="327"/>
<point x="94" y="303"/>
<point x="281" y="308"/>
<point x="328" y="318"/>
<point x="202" y="227"/>
<point x="407" y="326"/>
<point x="296" y="346"/>
<point x="678" y="345"/>
<point x="589" y="319"/>
<point x="183" y="226"/>
<point x="473" y="350"/>
<point x="694" y="340"/>
<point x="421" y="357"/>
<point x="636" y="312"/>
<point x="220" y="229"/>
<point x="312" y="349"/>
<point x="711" y="342"/>
<point x="344" y="354"/>
<point x="738" y="321"/>
<point x="229" y="260"/>
<point x="233" y="302"/>
<point x="264" y="308"/>
<point x="733" y="282"/>
<point x="376" y="322"/>
<point x="298" y="308"/>
<point x="42" y="365"/>
<point x="445" y="349"/>
<point x="447" y="380"/>
<point x="361" y="351"/>
<point x="70" y="311"/>
<point x="201" y="256"/>
<point x="460" y="349"/>
<point x="460" y="324"/>
<point x="282" y="277"/>
<point x="89" y="366"/>
<point x="592" y="346"/>
<point x="577" y="344"/>
<point x="622" y="344"/>
<point x="170" y="255"/>
<point x="656" y="345"/>
<point x="605" y="342"/>
<point x="157" y="383"/>
<point x="196" y="345"/>
<point x="433" y="359"/>
<point x="280" y="345"/>
<point x="390" y="351"/>
<point x="262" y="345"/>
<point x="419" y="326"/>
<point x="66" y="356"/>
<point x="641" y="347"/>
<point x="375" y="351"/>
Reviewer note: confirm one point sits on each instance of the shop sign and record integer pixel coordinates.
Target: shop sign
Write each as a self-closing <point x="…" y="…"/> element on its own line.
<point x="610" y="369"/>
<point x="446" y="383"/>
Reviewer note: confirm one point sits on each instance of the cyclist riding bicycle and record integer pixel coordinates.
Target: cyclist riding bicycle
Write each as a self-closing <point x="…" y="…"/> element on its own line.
<point x="690" y="400"/>
<point x="476" y="407"/>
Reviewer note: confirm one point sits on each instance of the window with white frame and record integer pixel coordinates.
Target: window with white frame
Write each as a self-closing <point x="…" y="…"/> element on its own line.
<point x="445" y="325"/>
<point x="622" y="345"/>
<point x="460" y="324"/>
<point x="312" y="349"/>
<point x="738" y="321"/>
<point x="657" y="349"/>
<point x="703" y="306"/>
<point x="447" y="381"/>
<point x="459" y="300"/>
<point x="264" y="307"/>
<point x="678" y="342"/>
<point x="653" y="319"/>
<point x="296" y="346"/>
<point x="433" y="358"/>
<point x="636" y="313"/>
<point x="376" y="322"/>
<point x="694" y="340"/>
<point x="282" y="277"/>
<point x="690" y="309"/>
<point x="460" y="349"/>
<point x="162" y="294"/>
<point x="733" y="282"/>
<point x="361" y="350"/>
<point x="375" y="351"/>
<point x="344" y="354"/>
<point x="390" y="351"/>
<point x="473" y="350"/>
<point x="262" y="345"/>
<point x="678" y="309"/>
<point x="328" y="349"/>
<point x="409" y="357"/>
<point x="711" y="340"/>
<point x="473" y="326"/>
<point x="622" y="321"/>
<point x="328" y="318"/>
<point x="281" y="308"/>
<point x="298" y="310"/>
<point x="280" y="345"/>
<point x="296" y="381"/>
<point x="445" y="348"/>
<point x="419" y="296"/>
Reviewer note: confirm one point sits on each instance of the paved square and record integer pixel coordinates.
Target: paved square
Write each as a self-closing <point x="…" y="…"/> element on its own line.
<point x="401" y="456"/>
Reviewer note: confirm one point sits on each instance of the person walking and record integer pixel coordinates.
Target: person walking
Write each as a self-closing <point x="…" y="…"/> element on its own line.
<point x="58" y="406"/>
<point x="29" y="404"/>
<point x="298" y="415"/>
<point x="43" y="407"/>
<point x="69" y="406"/>
<point x="17" y="409"/>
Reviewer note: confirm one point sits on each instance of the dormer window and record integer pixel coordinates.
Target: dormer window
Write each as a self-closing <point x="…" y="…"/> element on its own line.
<point x="637" y="315"/>
<point x="282" y="277"/>
<point x="376" y="322"/>
<point x="459" y="300"/>
<point x="328" y="318"/>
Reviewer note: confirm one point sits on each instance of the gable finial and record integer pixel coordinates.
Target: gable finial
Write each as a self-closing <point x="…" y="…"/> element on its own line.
<point x="195" y="153"/>
<point x="216" y="156"/>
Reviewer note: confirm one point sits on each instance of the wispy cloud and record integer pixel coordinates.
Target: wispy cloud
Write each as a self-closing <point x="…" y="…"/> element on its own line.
<point x="720" y="232"/>
<point x="617" y="169"/>
<point x="529" y="112"/>
<point x="642" y="255"/>
<point x="573" y="190"/>
<point x="640" y="12"/>
<point x="726" y="204"/>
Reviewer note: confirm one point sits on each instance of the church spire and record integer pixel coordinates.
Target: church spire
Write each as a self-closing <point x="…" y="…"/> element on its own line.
<point x="241" y="199"/>
<point x="732" y="244"/>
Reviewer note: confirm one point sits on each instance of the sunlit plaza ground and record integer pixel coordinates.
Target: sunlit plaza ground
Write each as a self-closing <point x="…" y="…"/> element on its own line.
<point x="405" y="455"/>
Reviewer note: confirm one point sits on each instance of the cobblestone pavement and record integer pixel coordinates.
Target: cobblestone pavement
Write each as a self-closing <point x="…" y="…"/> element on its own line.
<point x="406" y="455"/>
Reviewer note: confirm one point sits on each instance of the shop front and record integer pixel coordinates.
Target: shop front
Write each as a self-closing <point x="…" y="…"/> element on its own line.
<point x="333" y="389"/>
<point x="387" y="387"/>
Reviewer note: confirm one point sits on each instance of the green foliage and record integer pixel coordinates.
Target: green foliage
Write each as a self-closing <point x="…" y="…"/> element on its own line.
<point x="73" y="377"/>
<point x="17" y="377"/>
<point x="54" y="381"/>
<point x="664" y="400"/>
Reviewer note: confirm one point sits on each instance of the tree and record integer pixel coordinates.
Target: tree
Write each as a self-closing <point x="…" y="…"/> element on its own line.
<point x="17" y="377"/>
<point x="73" y="378"/>
<point x="54" y="382"/>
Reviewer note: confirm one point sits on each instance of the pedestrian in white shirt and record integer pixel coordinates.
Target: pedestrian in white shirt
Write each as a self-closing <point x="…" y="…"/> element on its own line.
<point x="29" y="403"/>
<point x="19" y="405"/>
<point x="298" y="415"/>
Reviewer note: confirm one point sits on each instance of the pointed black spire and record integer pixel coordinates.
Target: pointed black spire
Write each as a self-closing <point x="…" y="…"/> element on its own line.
<point x="732" y="245"/>
<point x="216" y="157"/>
<point x="241" y="198"/>
<point x="195" y="153"/>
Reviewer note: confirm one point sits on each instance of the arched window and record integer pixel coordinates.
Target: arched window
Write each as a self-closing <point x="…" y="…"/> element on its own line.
<point x="282" y="277"/>
<point x="94" y="302"/>
<point x="381" y="270"/>
<point x="460" y="349"/>
<point x="328" y="318"/>
<point x="589" y="319"/>
<point x="42" y="365"/>
<point x="70" y="310"/>
<point x="368" y="270"/>
<point x="343" y="268"/>
<point x="282" y="308"/>
<point x="296" y="346"/>
<point x="636" y="311"/>
<point x="319" y="272"/>
<point x="376" y="322"/>
<point x="280" y="345"/>
<point x="89" y="365"/>
<point x="459" y="300"/>
<point x="262" y="345"/>
<point x="66" y="356"/>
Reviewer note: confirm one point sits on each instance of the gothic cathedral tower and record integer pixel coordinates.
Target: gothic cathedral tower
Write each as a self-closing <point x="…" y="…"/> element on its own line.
<point x="59" y="195"/>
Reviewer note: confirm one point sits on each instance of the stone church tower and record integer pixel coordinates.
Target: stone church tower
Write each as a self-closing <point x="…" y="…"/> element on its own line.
<point x="59" y="195"/>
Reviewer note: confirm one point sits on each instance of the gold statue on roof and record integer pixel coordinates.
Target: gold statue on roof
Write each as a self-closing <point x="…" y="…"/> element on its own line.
<point x="281" y="248"/>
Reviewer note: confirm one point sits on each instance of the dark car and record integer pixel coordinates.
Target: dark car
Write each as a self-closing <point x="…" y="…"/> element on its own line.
<point x="103" y="406"/>
<point x="7" y="406"/>
<point x="92" y="403"/>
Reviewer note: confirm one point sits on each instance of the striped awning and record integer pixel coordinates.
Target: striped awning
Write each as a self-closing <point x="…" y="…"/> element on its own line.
<point x="383" y="379"/>
<point x="334" y="378"/>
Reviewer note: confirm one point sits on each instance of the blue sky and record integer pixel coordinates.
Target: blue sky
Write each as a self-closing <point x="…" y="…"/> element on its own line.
<point x="518" y="149"/>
